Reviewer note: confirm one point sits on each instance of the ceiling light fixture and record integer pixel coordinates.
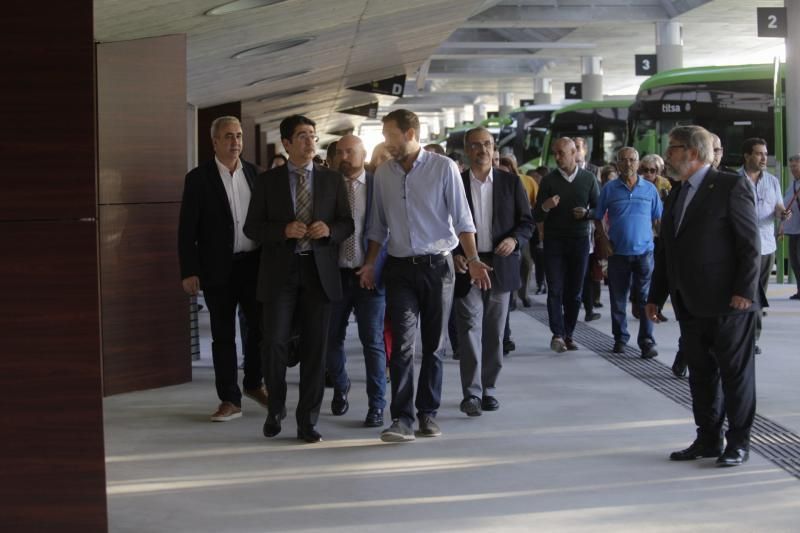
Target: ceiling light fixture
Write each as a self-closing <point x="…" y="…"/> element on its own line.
<point x="271" y="48"/>
<point x="278" y="77"/>
<point x="240" y="5"/>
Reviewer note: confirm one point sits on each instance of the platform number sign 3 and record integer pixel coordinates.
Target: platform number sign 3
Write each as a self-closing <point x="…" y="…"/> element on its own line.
<point x="646" y="64"/>
<point x="573" y="91"/>
<point x="771" y="21"/>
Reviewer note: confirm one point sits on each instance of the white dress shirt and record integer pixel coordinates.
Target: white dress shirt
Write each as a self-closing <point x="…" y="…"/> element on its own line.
<point x="238" y="191"/>
<point x="569" y="177"/>
<point x="482" y="194"/>
<point x="359" y="209"/>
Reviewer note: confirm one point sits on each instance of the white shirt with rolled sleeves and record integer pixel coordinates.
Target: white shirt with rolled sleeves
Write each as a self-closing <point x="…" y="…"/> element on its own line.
<point x="768" y="195"/>
<point x="423" y="211"/>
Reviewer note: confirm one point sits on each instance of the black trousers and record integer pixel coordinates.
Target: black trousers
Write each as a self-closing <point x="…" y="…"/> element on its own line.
<point x="420" y="292"/>
<point x="222" y="301"/>
<point x="720" y="355"/>
<point x="301" y="295"/>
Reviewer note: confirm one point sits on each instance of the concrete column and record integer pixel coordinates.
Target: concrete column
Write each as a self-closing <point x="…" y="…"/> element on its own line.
<point x="435" y="125"/>
<point x="468" y="114"/>
<point x="505" y="103"/>
<point x="449" y="118"/>
<point x="592" y="77"/>
<point x="191" y="140"/>
<point x="478" y="112"/>
<point x="458" y="117"/>
<point x="542" y="91"/>
<point x="792" y="95"/>
<point x="669" y="45"/>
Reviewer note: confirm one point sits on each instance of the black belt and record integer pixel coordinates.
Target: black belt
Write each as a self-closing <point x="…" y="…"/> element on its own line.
<point x="239" y="256"/>
<point x="429" y="259"/>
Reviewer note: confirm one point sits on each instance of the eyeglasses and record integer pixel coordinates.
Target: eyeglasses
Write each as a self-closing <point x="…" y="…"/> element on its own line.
<point x="646" y="170"/>
<point x="674" y="146"/>
<point x="477" y="146"/>
<point x="307" y="137"/>
<point x="717" y="150"/>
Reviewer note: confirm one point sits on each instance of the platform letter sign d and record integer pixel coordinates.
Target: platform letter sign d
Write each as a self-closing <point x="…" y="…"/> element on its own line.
<point x="771" y="21"/>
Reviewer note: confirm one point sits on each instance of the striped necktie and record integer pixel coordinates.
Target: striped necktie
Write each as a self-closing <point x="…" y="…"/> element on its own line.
<point x="350" y="242"/>
<point x="302" y="204"/>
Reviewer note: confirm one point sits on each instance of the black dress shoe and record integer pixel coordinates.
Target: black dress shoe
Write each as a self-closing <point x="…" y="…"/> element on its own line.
<point x="508" y="346"/>
<point x="309" y="434"/>
<point x="592" y="316"/>
<point x="757" y="350"/>
<point x="526" y="302"/>
<point x="697" y="450"/>
<point x="598" y="305"/>
<point x="733" y="456"/>
<point x="339" y="404"/>
<point x="679" y="365"/>
<point x="619" y="347"/>
<point x="272" y="425"/>
<point x="490" y="403"/>
<point x="374" y="418"/>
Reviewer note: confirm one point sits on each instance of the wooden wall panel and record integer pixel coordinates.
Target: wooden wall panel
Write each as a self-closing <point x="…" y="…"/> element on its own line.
<point x="47" y="105"/>
<point x="145" y="313"/>
<point x="142" y="163"/>
<point x="141" y="98"/>
<point x="52" y="470"/>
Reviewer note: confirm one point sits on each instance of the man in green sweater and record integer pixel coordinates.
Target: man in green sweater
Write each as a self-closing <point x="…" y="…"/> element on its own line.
<point x="563" y="206"/>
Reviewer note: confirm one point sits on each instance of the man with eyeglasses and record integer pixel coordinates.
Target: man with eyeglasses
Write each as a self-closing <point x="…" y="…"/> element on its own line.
<point x="708" y="263"/>
<point x="420" y="206"/>
<point x="502" y="214"/>
<point x="633" y="207"/>
<point x="300" y="214"/>
<point x="769" y="208"/>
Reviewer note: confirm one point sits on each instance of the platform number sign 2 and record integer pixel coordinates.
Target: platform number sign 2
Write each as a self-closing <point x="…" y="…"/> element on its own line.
<point x="573" y="91"/>
<point x="646" y="64"/>
<point x="771" y="21"/>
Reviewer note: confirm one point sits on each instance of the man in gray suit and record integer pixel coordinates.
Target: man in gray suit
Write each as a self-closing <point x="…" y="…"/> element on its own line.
<point x="502" y="215"/>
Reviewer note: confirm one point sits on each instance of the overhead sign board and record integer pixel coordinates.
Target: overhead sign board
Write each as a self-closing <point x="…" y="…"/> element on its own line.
<point x="573" y="91"/>
<point x="771" y="21"/>
<point x="646" y="64"/>
<point x="368" y="110"/>
<point x="394" y="86"/>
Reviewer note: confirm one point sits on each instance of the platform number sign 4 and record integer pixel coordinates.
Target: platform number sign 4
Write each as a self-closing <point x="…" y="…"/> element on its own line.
<point x="771" y="21"/>
<point x="573" y="91"/>
<point x="646" y="64"/>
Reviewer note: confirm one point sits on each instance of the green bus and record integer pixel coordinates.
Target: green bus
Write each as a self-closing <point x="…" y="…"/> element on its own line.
<point x="602" y="123"/>
<point x="735" y="102"/>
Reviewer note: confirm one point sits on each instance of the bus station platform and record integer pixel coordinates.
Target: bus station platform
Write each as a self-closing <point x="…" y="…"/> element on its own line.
<point x="580" y="443"/>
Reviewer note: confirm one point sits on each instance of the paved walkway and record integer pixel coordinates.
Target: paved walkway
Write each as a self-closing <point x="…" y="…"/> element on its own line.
<point x="578" y="445"/>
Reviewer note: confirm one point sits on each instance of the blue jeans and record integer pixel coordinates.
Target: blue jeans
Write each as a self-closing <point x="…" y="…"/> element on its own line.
<point x="625" y="273"/>
<point x="369" y="307"/>
<point x="565" y="262"/>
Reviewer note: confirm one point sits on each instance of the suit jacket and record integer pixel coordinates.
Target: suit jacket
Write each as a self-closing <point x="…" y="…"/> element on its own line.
<point x="205" y="228"/>
<point x="511" y="217"/>
<point x="716" y="253"/>
<point x="272" y="208"/>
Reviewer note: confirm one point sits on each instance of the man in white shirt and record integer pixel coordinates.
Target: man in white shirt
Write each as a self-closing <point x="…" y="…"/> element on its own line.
<point x="769" y="208"/>
<point x="215" y="255"/>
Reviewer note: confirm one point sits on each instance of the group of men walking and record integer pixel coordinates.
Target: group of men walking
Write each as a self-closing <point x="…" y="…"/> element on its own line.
<point x="407" y="240"/>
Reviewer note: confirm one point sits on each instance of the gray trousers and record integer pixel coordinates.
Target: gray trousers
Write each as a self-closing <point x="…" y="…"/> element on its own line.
<point x="480" y="320"/>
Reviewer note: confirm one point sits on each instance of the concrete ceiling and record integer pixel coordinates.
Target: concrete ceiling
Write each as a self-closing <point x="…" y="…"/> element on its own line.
<point x="454" y="52"/>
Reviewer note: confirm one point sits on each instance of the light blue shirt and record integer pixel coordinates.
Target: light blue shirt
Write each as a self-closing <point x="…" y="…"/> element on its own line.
<point x="767" y="191"/>
<point x="423" y="211"/>
<point x="631" y="213"/>
<point x="792" y="226"/>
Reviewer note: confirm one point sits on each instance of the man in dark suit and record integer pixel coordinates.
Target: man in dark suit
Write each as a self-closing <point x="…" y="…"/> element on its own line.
<point x="501" y="212"/>
<point x="369" y="305"/>
<point x="215" y="255"/>
<point x="708" y="262"/>
<point x="299" y="214"/>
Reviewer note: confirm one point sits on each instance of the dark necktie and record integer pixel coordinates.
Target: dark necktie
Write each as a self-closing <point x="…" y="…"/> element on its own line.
<point x="680" y="205"/>
<point x="350" y="242"/>
<point x="302" y="204"/>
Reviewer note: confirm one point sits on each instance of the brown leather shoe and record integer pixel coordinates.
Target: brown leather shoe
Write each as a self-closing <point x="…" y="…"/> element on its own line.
<point x="225" y="412"/>
<point x="259" y="395"/>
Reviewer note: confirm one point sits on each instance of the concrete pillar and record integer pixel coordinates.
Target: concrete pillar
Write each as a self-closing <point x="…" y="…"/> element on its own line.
<point x="478" y="112"/>
<point x="191" y="141"/>
<point x="435" y="125"/>
<point x="592" y="77"/>
<point x="505" y="103"/>
<point x="669" y="45"/>
<point x="468" y="114"/>
<point x="449" y="118"/>
<point x="792" y="96"/>
<point x="458" y="117"/>
<point x="542" y="91"/>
